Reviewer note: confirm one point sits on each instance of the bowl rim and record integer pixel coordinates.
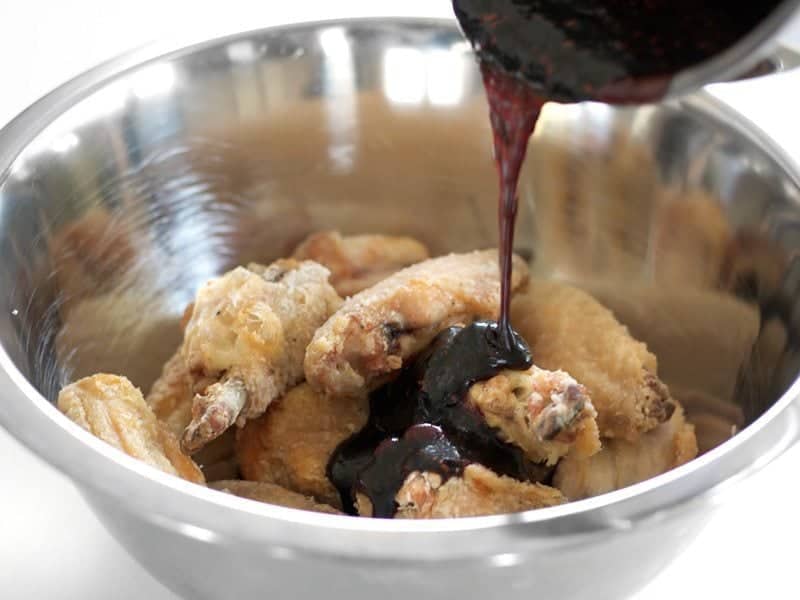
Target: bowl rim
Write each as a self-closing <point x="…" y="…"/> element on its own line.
<point x="206" y="514"/>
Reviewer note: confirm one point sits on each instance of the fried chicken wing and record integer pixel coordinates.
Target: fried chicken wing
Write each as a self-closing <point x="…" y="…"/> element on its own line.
<point x="568" y="329"/>
<point x="477" y="492"/>
<point x="375" y="331"/>
<point x="272" y="494"/>
<point x="245" y="341"/>
<point x="112" y="409"/>
<point x="357" y="262"/>
<point x="546" y="413"/>
<point x="170" y="398"/>
<point x="290" y="444"/>
<point x="621" y="463"/>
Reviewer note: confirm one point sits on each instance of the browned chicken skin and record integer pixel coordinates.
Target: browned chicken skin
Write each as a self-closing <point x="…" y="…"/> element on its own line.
<point x="290" y="444"/>
<point x="568" y="329"/>
<point x="112" y="409"/>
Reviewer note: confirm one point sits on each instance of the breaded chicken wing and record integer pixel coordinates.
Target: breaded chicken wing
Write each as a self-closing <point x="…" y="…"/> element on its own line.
<point x="170" y="398"/>
<point x="477" y="492"/>
<point x="112" y="409"/>
<point x="568" y="329"/>
<point x="357" y="262"/>
<point x="375" y="331"/>
<point x="621" y="463"/>
<point x="245" y="341"/>
<point x="271" y="494"/>
<point x="290" y="444"/>
<point x="546" y="413"/>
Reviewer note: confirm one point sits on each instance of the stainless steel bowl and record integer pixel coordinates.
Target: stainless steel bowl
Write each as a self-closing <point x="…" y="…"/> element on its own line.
<point x="178" y="165"/>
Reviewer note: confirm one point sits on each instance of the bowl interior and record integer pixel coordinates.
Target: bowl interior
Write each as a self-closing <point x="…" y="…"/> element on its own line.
<point x="675" y="216"/>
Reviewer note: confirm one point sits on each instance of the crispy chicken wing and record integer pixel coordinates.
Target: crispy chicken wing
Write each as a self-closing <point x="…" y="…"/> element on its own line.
<point x="375" y="331"/>
<point x="546" y="413"/>
<point x="568" y="329"/>
<point x="170" y="398"/>
<point x="621" y="463"/>
<point x="478" y="491"/>
<point x="290" y="444"/>
<point x="357" y="262"/>
<point x="272" y="494"/>
<point x="245" y="341"/>
<point x="112" y="409"/>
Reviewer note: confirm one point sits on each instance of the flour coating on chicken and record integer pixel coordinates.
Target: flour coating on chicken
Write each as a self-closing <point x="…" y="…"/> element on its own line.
<point x="568" y="329"/>
<point x="546" y="413"/>
<point x="291" y="444"/>
<point x="376" y="331"/>
<point x="245" y="341"/>
<point x="112" y="409"/>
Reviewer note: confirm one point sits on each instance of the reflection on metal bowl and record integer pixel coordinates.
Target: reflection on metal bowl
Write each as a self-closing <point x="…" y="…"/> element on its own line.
<point x="127" y="188"/>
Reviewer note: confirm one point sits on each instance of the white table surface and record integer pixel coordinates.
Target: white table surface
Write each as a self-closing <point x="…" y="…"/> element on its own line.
<point x="51" y="545"/>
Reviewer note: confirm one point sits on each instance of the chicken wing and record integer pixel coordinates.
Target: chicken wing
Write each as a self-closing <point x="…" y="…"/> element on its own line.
<point x="568" y="329"/>
<point x="170" y="398"/>
<point x="375" y="331"/>
<point x="272" y="494"/>
<point x="477" y="492"/>
<point x="245" y="341"/>
<point x="290" y="444"/>
<point x="546" y="413"/>
<point x="357" y="262"/>
<point x="112" y="409"/>
<point x="621" y="463"/>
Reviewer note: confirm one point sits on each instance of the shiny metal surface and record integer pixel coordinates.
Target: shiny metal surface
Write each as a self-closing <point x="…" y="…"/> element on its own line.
<point x="123" y="191"/>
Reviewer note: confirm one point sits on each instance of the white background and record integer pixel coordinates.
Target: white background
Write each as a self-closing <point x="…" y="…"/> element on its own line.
<point x="51" y="546"/>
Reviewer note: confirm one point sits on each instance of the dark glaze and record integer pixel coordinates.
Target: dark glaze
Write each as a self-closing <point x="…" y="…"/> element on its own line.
<point x="431" y="392"/>
<point x="513" y="110"/>
<point x="423" y="447"/>
<point x="618" y="51"/>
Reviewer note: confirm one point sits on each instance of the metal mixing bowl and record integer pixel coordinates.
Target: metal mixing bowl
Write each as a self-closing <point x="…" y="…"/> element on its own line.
<point x="158" y="170"/>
